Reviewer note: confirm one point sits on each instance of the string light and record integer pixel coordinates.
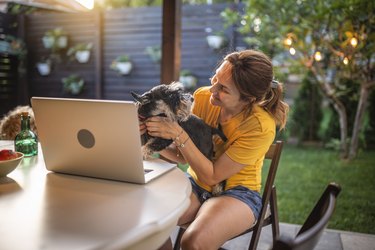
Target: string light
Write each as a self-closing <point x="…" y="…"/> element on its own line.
<point x="292" y="51"/>
<point x="318" y="56"/>
<point x="257" y="21"/>
<point x="346" y="60"/>
<point x="354" y="42"/>
<point x="288" y="41"/>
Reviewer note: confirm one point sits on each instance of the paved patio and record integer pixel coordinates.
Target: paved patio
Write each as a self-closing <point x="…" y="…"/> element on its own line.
<point x="331" y="239"/>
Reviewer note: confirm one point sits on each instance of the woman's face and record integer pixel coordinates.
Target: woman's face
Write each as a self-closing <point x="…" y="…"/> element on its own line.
<point x="224" y="92"/>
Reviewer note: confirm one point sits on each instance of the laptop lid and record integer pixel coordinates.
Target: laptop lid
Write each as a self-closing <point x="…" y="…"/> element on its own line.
<point x="94" y="138"/>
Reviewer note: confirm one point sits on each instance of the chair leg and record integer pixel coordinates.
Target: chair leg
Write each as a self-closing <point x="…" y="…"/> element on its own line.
<point x="255" y="237"/>
<point x="177" y="243"/>
<point x="274" y="216"/>
<point x="274" y="223"/>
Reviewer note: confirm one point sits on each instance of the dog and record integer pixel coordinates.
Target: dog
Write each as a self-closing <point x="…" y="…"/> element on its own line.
<point x="173" y="102"/>
<point x="10" y="124"/>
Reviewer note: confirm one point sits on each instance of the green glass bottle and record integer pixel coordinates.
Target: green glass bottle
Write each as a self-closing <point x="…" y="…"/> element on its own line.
<point x="26" y="141"/>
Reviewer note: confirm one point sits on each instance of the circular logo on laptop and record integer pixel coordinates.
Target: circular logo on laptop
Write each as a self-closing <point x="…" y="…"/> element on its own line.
<point x="86" y="138"/>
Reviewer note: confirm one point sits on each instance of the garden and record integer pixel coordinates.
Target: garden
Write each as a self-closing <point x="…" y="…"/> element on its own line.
<point x="330" y="46"/>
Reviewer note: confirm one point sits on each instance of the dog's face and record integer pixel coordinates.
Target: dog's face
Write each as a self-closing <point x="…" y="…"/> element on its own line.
<point x="164" y="100"/>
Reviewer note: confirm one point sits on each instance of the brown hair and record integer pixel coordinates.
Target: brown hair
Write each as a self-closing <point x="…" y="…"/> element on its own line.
<point x="252" y="73"/>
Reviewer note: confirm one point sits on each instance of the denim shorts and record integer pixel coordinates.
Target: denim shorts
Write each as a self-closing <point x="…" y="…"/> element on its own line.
<point x="249" y="197"/>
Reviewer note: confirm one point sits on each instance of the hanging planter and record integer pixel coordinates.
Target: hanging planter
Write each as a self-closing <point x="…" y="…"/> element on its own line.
<point x="73" y="84"/>
<point x="154" y="52"/>
<point x="82" y="56"/>
<point x="80" y="52"/>
<point x="122" y="65"/>
<point x="216" y="40"/>
<point x="55" y="39"/>
<point x="62" y="42"/>
<point x="188" y="80"/>
<point x="44" y="67"/>
<point x="48" y="41"/>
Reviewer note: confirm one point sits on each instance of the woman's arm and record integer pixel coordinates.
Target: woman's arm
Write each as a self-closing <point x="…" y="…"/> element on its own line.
<point x="206" y="171"/>
<point x="171" y="153"/>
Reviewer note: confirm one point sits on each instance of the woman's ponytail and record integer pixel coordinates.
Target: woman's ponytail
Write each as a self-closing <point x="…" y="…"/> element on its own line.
<point x="274" y="104"/>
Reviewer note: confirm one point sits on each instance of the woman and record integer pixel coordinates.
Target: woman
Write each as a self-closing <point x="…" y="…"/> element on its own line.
<point x="245" y="102"/>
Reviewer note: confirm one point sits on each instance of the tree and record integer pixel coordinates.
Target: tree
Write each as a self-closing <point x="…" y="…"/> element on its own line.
<point x="333" y="39"/>
<point x="306" y="111"/>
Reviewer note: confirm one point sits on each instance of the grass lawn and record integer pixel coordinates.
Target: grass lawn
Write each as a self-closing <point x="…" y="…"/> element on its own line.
<point x="304" y="173"/>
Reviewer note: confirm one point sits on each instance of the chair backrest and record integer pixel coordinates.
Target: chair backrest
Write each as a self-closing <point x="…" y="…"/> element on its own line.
<point x="273" y="154"/>
<point x="311" y="231"/>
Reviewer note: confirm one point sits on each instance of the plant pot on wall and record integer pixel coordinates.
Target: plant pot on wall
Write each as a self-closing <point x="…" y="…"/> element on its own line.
<point x="44" y="67"/>
<point x="48" y="41"/>
<point x="55" y="39"/>
<point x="122" y="65"/>
<point x="216" y="41"/>
<point x="80" y="52"/>
<point x="62" y="42"/>
<point x="124" y="68"/>
<point x="154" y="52"/>
<point x="188" y="80"/>
<point x="73" y="84"/>
<point x="82" y="56"/>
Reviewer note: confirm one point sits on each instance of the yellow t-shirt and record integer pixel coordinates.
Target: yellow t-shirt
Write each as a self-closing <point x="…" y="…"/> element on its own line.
<point x="248" y="140"/>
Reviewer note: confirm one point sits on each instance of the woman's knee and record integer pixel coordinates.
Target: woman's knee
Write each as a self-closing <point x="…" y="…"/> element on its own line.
<point x="195" y="240"/>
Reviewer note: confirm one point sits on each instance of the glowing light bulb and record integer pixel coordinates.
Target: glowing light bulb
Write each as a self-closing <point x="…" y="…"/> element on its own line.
<point x="345" y="61"/>
<point x="288" y="41"/>
<point x="257" y="21"/>
<point x="292" y="51"/>
<point x="318" y="56"/>
<point x="354" y="42"/>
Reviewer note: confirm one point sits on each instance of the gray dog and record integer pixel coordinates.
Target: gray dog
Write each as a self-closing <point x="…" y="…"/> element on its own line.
<point x="173" y="102"/>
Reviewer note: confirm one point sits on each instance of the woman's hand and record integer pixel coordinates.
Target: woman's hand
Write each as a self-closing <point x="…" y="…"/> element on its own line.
<point x="162" y="127"/>
<point x="142" y="127"/>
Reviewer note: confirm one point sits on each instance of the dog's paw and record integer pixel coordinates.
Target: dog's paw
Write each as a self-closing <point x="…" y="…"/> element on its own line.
<point x="217" y="189"/>
<point x="147" y="152"/>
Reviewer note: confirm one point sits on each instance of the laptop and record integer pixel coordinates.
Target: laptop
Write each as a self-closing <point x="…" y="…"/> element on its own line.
<point x="94" y="138"/>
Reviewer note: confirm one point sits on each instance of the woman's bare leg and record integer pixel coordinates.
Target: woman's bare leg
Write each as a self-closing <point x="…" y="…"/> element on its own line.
<point x="218" y="219"/>
<point x="187" y="217"/>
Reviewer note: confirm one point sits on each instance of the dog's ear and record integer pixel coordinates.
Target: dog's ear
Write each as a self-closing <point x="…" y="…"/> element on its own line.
<point x="176" y="86"/>
<point x="136" y="97"/>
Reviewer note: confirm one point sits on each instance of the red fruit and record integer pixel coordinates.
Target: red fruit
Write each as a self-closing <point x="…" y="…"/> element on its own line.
<point x="7" y="154"/>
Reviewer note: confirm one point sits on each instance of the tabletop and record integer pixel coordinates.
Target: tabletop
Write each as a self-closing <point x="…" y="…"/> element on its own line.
<point x="45" y="210"/>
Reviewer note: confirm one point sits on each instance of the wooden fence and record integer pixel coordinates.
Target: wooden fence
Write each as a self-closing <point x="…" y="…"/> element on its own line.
<point x="116" y="32"/>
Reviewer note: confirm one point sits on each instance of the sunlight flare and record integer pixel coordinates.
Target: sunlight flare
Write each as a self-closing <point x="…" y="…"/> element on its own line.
<point x="89" y="4"/>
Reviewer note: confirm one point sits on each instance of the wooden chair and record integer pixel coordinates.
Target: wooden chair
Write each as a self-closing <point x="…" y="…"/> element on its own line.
<point x="268" y="214"/>
<point x="311" y="231"/>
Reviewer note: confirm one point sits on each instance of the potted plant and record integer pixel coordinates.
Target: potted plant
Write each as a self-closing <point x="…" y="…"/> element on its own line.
<point x="188" y="80"/>
<point x="122" y="64"/>
<point x="216" y="40"/>
<point x="73" y="84"/>
<point x="44" y="66"/>
<point x="12" y="45"/>
<point x="55" y="39"/>
<point x="154" y="53"/>
<point x="81" y="52"/>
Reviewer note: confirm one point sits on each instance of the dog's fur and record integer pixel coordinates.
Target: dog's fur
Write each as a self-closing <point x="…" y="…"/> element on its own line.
<point x="173" y="102"/>
<point x="10" y="124"/>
